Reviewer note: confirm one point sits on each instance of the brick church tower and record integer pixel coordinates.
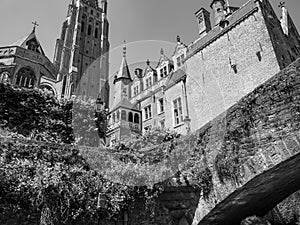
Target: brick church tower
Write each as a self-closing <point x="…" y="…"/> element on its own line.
<point x="82" y="51"/>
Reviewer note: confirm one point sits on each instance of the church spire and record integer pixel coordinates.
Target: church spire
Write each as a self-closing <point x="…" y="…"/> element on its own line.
<point x="123" y="73"/>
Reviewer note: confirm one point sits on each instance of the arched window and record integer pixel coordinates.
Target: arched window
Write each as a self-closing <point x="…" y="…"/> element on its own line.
<point x="96" y="32"/>
<point x="47" y="88"/>
<point x="118" y="116"/>
<point x="25" y="77"/>
<point x="5" y="77"/>
<point x="130" y="117"/>
<point x="89" y="29"/>
<point x="82" y="26"/>
<point x="114" y="118"/>
<point x="136" y="118"/>
<point x="123" y="115"/>
<point x="63" y="92"/>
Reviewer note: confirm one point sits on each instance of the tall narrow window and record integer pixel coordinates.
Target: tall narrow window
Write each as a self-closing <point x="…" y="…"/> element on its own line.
<point x="96" y="32"/>
<point x="123" y="115"/>
<point x="148" y="112"/>
<point x="136" y="118"/>
<point x="160" y="106"/>
<point x="178" y="115"/>
<point x="89" y="29"/>
<point x="5" y="77"/>
<point x="130" y="117"/>
<point x="82" y="26"/>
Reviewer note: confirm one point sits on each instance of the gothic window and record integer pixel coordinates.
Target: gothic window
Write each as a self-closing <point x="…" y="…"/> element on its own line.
<point x="178" y="115"/>
<point x="114" y="118"/>
<point x="89" y="29"/>
<point x="96" y="32"/>
<point x="5" y="77"/>
<point x="148" y="112"/>
<point x="123" y="115"/>
<point x="136" y="118"/>
<point x="33" y="46"/>
<point x="25" y="78"/>
<point x="92" y="12"/>
<point x="64" y="86"/>
<point x="162" y="124"/>
<point x="130" y="117"/>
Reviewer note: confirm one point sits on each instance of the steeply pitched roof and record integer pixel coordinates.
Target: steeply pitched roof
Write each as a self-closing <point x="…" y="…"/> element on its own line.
<point x="23" y="43"/>
<point x="123" y="72"/>
<point x="246" y="10"/>
<point x="125" y="103"/>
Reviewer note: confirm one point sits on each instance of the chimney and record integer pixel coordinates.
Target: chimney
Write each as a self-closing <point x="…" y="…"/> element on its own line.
<point x="203" y="18"/>
<point x="218" y="7"/>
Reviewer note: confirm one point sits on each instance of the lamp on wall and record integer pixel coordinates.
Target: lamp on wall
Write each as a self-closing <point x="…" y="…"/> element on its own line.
<point x="233" y="66"/>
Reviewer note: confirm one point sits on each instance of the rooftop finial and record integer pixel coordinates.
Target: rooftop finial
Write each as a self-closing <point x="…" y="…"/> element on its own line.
<point x="148" y="62"/>
<point x="281" y="4"/>
<point x="35" y="24"/>
<point x="178" y="39"/>
<point x="124" y="49"/>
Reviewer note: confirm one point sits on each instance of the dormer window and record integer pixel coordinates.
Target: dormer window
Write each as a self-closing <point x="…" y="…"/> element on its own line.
<point x="148" y="82"/>
<point x="180" y="60"/>
<point x="136" y="90"/>
<point x="163" y="72"/>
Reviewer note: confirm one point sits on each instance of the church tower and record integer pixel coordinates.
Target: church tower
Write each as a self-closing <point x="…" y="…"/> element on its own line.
<point x="82" y="51"/>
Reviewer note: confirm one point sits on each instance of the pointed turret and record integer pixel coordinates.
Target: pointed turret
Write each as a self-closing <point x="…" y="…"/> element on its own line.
<point x="123" y="73"/>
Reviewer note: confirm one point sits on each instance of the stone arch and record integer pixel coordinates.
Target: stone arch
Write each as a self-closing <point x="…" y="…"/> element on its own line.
<point x="26" y="77"/>
<point x="48" y="87"/>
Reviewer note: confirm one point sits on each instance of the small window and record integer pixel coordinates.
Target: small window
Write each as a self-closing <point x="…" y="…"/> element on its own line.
<point x="178" y="114"/>
<point x="92" y="12"/>
<point x="148" y="112"/>
<point x="89" y="29"/>
<point x="136" y="118"/>
<point x="82" y="26"/>
<point x="162" y="124"/>
<point x="136" y="90"/>
<point x="161" y="106"/>
<point x="96" y="33"/>
<point x="163" y="72"/>
<point x="114" y="118"/>
<point x="123" y="115"/>
<point x="148" y="82"/>
<point x="130" y="117"/>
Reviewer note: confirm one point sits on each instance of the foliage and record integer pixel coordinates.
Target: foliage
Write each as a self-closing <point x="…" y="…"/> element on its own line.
<point x="39" y="115"/>
<point x="55" y="181"/>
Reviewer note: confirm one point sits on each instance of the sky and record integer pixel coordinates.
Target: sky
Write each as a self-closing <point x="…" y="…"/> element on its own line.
<point x="147" y="26"/>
